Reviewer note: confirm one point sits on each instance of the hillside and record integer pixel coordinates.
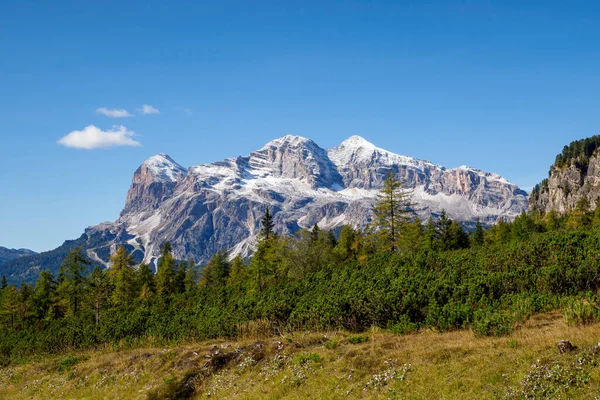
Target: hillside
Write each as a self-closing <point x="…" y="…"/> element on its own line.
<point x="333" y="365"/>
<point x="12" y="254"/>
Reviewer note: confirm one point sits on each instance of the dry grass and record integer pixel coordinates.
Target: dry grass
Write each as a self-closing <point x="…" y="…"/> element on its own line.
<point x="426" y="365"/>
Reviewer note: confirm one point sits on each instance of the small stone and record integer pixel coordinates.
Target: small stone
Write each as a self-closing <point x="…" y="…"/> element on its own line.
<point x="565" y="346"/>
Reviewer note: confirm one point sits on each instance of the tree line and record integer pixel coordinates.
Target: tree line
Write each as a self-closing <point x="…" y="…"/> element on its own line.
<point x="399" y="274"/>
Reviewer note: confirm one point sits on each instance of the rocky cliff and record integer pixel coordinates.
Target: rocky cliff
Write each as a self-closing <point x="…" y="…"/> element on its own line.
<point x="567" y="184"/>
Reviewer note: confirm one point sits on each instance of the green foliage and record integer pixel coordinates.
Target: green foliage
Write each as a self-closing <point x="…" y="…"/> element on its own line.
<point x="122" y="278"/>
<point x="68" y="362"/>
<point x="436" y="279"/>
<point x="578" y="311"/>
<point x="393" y="209"/>
<point x="579" y="150"/>
<point x="165" y="275"/>
<point x="303" y="358"/>
<point x="357" y="339"/>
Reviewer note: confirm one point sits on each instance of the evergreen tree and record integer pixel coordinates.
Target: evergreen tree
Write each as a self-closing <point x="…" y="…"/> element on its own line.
<point x="191" y="277"/>
<point x="122" y="278"/>
<point x="411" y="238"/>
<point x="391" y="210"/>
<point x="237" y="274"/>
<point x="165" y="276"/>
<point x="10" y="304"/>
<point x="180" y="275"/>
<point x="4" y="283"/>
<point x="432" y="235"/>
<point x="343" y="248"/>
<point x="478" y="235"/>
<point x="267" y="225"/>
<point x="99" y="292"/>
<point x="71" y="279"/>
<point x="145" y="277"/>
<point x="315" y="234"/>
<point x="580" y="218"/>
<point x="45" y="293"/>
<point x="216" y="272"/>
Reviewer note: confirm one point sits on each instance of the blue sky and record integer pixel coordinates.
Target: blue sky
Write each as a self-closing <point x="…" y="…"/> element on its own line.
<point x="500" y="86"/>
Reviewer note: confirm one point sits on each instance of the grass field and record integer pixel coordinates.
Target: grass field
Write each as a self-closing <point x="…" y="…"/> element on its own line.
<point x="376" y="364"/>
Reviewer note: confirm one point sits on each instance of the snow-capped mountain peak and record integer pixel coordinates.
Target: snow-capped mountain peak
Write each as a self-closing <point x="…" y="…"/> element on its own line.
<point x="218" y="206"/>
<point x="164" y="168"/>
<point x="289" y="140"/>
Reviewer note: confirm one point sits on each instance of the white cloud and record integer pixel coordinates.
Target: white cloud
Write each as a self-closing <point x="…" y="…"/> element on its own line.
<point x="147" y="109"/>
<point x="92" y="137"/>
<point x="188" y="111"/>
<point x="113" y="113"/>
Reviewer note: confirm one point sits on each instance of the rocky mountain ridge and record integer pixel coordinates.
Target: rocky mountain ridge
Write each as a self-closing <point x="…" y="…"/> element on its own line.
<point x="7" y="254"/>
<point x="218" y="206"/>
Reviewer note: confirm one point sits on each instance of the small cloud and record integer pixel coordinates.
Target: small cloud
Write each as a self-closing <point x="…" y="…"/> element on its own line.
<point x="114" y="113"/>
<point x="188" y="111"/>
<point x="92" y="137"/>
<point x="147" y="109"/>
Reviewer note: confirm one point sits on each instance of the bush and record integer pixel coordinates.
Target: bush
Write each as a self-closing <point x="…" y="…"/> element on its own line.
<point x="357" y="339"/>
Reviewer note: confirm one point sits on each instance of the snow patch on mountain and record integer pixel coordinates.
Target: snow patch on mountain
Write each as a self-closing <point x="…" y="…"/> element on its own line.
<point x="164" y="168"/>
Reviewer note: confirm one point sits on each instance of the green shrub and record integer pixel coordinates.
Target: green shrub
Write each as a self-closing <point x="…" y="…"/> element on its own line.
<point x="495" y="323"/>
<point x="357" y="339"/>
<point x="303" y="358"/>
<point x="579" y="312"/>
<point x="69" y="362"/>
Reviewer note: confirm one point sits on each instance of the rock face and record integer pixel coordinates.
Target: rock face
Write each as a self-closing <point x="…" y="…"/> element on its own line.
<point x="567" y="185"/>
<point x="218" y="206"/>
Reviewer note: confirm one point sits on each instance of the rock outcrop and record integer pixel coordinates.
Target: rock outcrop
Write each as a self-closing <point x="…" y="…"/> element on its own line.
<point x="567" y="185"/>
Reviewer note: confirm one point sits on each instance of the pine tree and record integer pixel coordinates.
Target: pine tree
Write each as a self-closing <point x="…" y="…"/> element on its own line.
<point x="180" y="275"/>
<point x="411" y="238"/>
<point x="432" y="235"/>
<point x="191" y="277"/>
<point x="122" y="278"/>
<point x="99" y="291"/>
<point x="45" y="292"/>
<point x="71" y="279"/>
<point x="343" y="247"/>
<point x="10" y="304"/>
<point x="478" y="235"/>
<point x="145" y="277"/>
<point x="267" y="225"/>
<point x="4" y="283"/>
<point x="237" y="274"/>
<point x="165" y="275"/>
<point x="216" y="272"/>
<point x="315" y="234"/>
<point x="391" y="210"/>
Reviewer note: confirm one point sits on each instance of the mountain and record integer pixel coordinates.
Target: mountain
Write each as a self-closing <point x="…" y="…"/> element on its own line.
<point x="218" y="206"/>
<point x="11" y="254"/>
<point x="575" y="175"/>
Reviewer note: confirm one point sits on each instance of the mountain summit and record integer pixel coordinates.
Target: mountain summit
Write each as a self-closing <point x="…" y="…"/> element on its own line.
<point x="218" y="206"/>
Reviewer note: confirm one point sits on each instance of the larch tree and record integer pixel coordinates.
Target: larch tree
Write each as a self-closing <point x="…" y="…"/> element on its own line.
<point x="165" y="275"/>
<point x="71" y="279"/>
<point x="391" y="211"/>
<point x="99" y="291"/>
<point x="122" y="277"/>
